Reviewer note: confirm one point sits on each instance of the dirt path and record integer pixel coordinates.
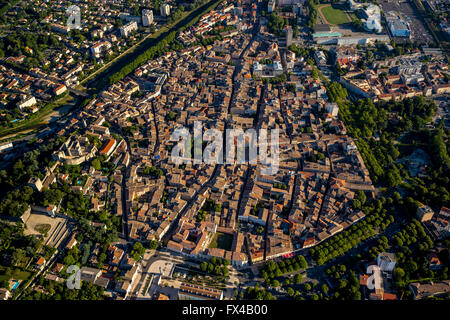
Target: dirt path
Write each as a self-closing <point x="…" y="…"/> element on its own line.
<point x="325" y="21"/>
<point x="323" y="16"/>
<point x="348" y="16"/>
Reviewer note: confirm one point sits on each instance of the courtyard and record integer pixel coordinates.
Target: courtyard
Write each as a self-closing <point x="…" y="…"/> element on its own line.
<point x="222" y="240"/>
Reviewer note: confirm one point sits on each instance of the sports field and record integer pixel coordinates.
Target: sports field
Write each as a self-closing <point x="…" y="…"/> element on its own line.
<point x="333" y="15"/>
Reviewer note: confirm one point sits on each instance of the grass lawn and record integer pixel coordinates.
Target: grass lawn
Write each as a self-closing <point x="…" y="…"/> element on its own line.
<point x="222" y="241"/>
<point x="334" y="16"/>
<point x="15" y="274"/>
<point x="42" y="228"/>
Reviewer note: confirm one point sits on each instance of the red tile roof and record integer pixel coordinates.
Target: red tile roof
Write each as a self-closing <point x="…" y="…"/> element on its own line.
<point x="108" y="146"/>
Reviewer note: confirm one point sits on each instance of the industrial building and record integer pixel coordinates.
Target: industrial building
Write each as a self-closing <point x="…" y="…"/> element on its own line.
<point x="398" y="27"/>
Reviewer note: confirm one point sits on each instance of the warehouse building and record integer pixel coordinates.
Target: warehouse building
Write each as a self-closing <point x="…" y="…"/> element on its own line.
<point x="398" y="27"/>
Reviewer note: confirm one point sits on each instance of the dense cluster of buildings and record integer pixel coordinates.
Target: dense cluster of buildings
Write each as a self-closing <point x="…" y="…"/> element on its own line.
<point x="215" y="20"/>
<point x="27" y="91"/>
<point x="123" y="146"/>
<point x="67" y="60"/>
<point x="305" y="202"/>
<point x="396" y="78"/>
<point x="437" y="224"/>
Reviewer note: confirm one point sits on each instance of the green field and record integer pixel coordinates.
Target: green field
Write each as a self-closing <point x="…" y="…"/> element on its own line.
<point x="15" y="274"/>
<point x="222" y="241"/>
<point x="334" y="16"/>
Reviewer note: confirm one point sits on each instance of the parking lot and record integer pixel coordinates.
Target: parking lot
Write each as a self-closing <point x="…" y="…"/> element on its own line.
<point x="405" y="8"/>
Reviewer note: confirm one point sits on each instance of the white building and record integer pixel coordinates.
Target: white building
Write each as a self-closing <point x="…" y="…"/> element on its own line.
<point x="100" y="46"/>
<point x="386" y="261"/>
<point x="6" y="147"/>
<point x="333" y="109"/>
<point x="126" y="30"/>
<point x="271" y="6"/>
<point x="373" y="18"/>
<point x="129" y="18"/>
<point x="267" y="70"/>
<point x="320" y="58"/>
<point x="398" y="26"/>
<point x="147" y="17"/>
<point x="50" y="210"/>
<point x="27" y="102"/>
<point x="165" y="10"/>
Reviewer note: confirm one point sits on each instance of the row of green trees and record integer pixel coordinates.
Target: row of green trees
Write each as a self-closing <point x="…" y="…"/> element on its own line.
<point x="162" y="46"/>
<point x="272" y="269"/>
<point x="391" y="120"/>
<point x="60" y="291"/>
<point x="336" y="246"/>
<point x="256" y="293"/>
<point x="312" y="14"/>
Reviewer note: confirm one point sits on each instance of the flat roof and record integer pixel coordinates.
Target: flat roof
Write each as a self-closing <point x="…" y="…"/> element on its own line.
<point x="326" y="34"/>
<point x="195" y="290"/>
<point x="322" y="28"/>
